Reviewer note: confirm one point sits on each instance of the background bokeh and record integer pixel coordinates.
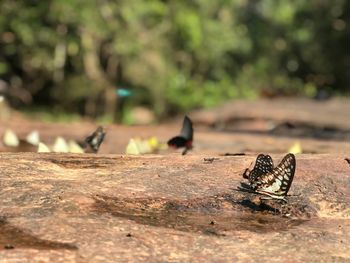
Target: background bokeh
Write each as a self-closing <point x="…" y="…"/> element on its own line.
<point x="102" y="58"/>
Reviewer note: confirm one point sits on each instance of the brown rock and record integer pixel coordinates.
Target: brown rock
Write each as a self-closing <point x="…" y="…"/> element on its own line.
<point x="108" y="208"/>
<point x="332" y="113"/>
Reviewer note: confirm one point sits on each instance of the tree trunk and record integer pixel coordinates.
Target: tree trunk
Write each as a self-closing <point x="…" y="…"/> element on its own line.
<point x="94" y="71"/>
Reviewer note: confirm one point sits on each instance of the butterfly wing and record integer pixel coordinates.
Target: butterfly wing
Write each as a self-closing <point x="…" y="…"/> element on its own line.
<point x="277" y="183"/>
<point x="187" y="129"/>
<point x="177" y="142"/>
<point x="94" y="140"/>
<point x="263" y="165"/>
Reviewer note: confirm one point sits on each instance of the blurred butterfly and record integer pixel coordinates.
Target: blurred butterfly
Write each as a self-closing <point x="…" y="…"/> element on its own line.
<point x="138" y="146"/>
<point x="60" y="145"/>
<point x="348" y="160"/>
<point x="12" y="143"/>
<point x="185" y="138"/>
<point x="92" y="142"/>
<point x="276" y="182"/>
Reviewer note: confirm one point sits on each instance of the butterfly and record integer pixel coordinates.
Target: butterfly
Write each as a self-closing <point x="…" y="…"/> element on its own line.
<point x="263" y="165"/>
<point x="348" y="160"/>
<point x="273" y="182"/>
<point x="185" y="138"/>
<point x="92" y="142"/>
<point x="12" y="143"/>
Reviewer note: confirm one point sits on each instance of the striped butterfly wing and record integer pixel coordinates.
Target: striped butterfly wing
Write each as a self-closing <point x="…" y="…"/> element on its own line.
<point x="276" y="184"/>
<point x="263" y="165"/>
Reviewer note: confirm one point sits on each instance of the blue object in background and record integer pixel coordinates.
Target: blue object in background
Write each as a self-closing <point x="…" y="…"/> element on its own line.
<point x="123" y="93"/>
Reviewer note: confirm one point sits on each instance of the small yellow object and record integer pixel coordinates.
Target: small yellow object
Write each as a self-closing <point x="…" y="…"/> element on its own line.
<point x="42" y="148"/>
<point x="10" y="139"/>
<point x="141" y="146"/>
<point x="60" y="145"/>
<point x="74" y="147"/>
<point x="153" y="143"/>
<point x="156" y="145"/>
<point x="295" y="148"/>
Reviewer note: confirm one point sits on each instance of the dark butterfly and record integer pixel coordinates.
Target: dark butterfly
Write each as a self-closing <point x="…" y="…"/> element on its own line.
<point x="348" y="160"/>
<point x="276" y="182"/>
<point x="92" y="142"/>
<point x="263" y="165"/>
<point x="185" y="138"/>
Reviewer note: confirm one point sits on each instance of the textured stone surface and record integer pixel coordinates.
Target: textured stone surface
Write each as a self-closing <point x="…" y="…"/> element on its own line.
<point x="100" y="208"/>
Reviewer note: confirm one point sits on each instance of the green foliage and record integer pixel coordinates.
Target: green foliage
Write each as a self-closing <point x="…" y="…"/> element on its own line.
<point x="174" y="55"/>
<point x="52" y="116"/>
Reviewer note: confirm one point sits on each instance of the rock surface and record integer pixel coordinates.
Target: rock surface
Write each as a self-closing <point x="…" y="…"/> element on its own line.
<point x="170" y="208"/>
<point x="333" y="113"/>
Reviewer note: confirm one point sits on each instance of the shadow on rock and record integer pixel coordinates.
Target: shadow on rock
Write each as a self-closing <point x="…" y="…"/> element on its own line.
<point x="12" y="237"/>
<point x="210" y="216"/>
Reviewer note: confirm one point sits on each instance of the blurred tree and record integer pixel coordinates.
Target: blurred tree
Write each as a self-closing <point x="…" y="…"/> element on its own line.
<point x="174" y="55"/>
